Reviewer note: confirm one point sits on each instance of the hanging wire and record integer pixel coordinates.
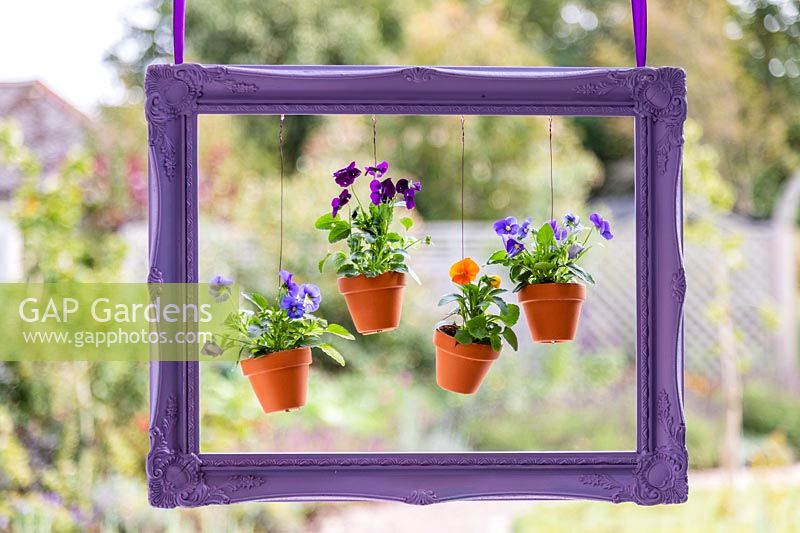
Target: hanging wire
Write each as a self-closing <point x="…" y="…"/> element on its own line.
<point x="280" y="148"/>
<point x="375" y="140"/>
<point x="462" y="186"/>
<point x="552" y="193"/>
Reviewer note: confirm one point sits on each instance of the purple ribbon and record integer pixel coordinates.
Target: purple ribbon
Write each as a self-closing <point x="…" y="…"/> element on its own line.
<point x="639" y="9"/>
<point x="178" y="24"/>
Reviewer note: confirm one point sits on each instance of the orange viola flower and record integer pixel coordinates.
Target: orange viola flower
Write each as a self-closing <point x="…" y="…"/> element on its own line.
<point x="464" y="271"/>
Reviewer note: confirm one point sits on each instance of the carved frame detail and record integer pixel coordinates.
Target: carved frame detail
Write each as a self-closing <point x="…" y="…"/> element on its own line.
<point x="655" y="473"/>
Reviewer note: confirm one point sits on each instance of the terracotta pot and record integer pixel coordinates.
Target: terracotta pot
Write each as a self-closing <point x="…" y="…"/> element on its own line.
<point x="280" y="379"/>
<point x="461" y="367"/>
<point x="374" y="303"/>
<point x="552" y="310"/>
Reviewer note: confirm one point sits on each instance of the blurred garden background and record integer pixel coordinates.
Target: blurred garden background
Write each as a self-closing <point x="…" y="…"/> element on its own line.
<point x="73" y="205"/>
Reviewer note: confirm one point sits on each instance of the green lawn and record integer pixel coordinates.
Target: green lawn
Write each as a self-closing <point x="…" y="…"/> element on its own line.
<point x="758" y="507"/>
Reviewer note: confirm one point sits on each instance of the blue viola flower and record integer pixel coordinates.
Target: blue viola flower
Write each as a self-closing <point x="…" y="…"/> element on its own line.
<point x="574" y="250"/>
<point x="254" y="331"/>
<point x="524" y="229"/>
<point x="513" y="246"/>
<point x="340" y="201"/>
<point x="345" y="177"/>
<point x="602" y="225"/>
<point x="409" y="190"/>
<point x="286" y="280"/>
<point x="379" y="170"/>
<point x="506" y="226"/>
<point x="294" y="306"/>
<point x="559" y="232"/>
<point x="311" y="297"/>
<point x="571" y="219"/>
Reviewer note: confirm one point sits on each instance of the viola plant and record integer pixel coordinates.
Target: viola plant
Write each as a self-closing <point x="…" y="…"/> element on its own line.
<point x="474" y="300"/>
<point x="374" y="248"/>
<point x="287" y="323"/>
<point x="549" y="254"/>
<point x="544" y="264"/>
<point x="466" y="351"/>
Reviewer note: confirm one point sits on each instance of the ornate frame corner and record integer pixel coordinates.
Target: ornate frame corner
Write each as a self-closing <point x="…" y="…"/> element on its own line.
<point x="655" y="473"/>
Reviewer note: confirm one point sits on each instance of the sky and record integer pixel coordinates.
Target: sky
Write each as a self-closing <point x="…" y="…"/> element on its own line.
<point x="62" y="43"/>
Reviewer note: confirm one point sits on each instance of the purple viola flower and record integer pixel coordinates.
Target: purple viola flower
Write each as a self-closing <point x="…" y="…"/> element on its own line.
<point x="286" y="280"/>
<point x="506" y="226"/>
<point x="513" y="246"/>
<point x="574" y="250"/>
<point x="311" y="296"/>
<point x="524" y="229"/>
<point x="382" y="191"/>
<point x="571" y="219"/>
<point x="219" y="288"/>
<point x="379" y="170"/>
<point x="339" y="202"/>
<point x="409" y="189"/>
<point x="220" y="281"/>
<point x="294" y="306"/>
<point x="345" y="177"/>
<point x="559" y="232"/>
<point x="606" y="231"/>
<point x="602" y="225"/>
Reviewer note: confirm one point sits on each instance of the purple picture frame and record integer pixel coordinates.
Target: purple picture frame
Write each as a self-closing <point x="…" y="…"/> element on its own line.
<point x="655" y="473"/>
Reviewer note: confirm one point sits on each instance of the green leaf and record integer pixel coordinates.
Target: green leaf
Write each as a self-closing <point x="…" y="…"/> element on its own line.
<point x="543" y="265"/>
<point x="511" y="338"/>
<point x="448" y="298"/>
<point x="511" y="315"/>
<point x="339" y="331"/>
<point x="413" y="275"/>
<point x="406" y="270"/>
<point x="476" y="326"/>
<point x="347" y="270"/>
<point x="256" y="299"/>
<point x="545" y="235"/>
<point x="393" y="237"/>
<point x="496" y="343"/>
<point x="581" y="273"/>
<point x="501" y="304"/>
<point x="332" y="352"/>
<point x="321" y="264"/>
<point x="463" y="336"/>
<point x="407" y="222"/>
<point x="339" y="258"/>
<point x="326" y="221"/>
<point x="339" y="231"/>
<point x="499" y="256"/>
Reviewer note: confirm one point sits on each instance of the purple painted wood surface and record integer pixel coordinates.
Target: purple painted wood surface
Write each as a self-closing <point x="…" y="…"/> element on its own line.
<point x="656" y="473"/>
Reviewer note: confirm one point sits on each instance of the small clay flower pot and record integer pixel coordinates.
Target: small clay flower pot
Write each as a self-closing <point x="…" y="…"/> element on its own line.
<point x="461" y="367"/>
<point x="280" y="379"/>
<point x="552" y="310"/>
<point x="375" y="303"/>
